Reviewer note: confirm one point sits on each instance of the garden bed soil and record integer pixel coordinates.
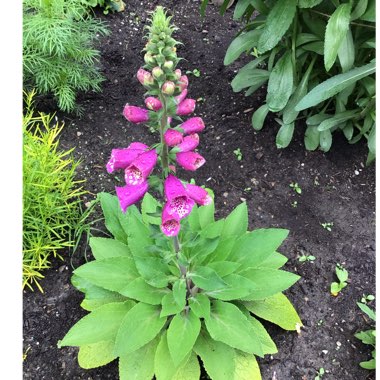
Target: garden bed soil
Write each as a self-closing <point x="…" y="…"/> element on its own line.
<point x="336" y="187"/>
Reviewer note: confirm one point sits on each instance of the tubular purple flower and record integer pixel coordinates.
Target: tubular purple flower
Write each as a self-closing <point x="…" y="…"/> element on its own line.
<point x="122" y="158"/>
<point x="193" y="125"/>
<point x="145" y="77"/>
<point x="135" y="114"/>
<point x="190" y="160"/>
<point x="153" y="103"/>
<point x="170" y="224"/>
<point x="198" y="194"/>
<point x="129" y="195"/>
<point x="139" y="170"/>
<point x="178" y="203"/>
<point x="189" y="143"/>
<point x="172" y="137"/>
<point x="179" y="98"/>
<point x="186" y="107"/>
<point x="183" y="82"/>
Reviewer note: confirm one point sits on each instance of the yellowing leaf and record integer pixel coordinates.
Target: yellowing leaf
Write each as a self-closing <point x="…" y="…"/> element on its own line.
<point x="96" y="354"/>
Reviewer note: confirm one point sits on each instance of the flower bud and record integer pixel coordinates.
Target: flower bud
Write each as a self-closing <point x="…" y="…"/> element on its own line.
<point x="145" y="77"/>
<point x="168" y="88"/>
<point x="148" y="59"/>
<point x="186" y="107"/>
<point x="172" y="137"/>
<point x="153" y="103"/>
<point x="168" y="65"/>
<point x="157" y="72"/>
<point x="183" y="82"/>
<point x="177" y="73"/>
<point x="190" y="160"/>
<point x="135" y="114"/>
<point x="181" y="97"/>
<point x="193" y="125"/>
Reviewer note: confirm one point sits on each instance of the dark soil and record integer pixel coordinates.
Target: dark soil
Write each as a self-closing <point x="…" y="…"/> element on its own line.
<point x="336" y="187"/>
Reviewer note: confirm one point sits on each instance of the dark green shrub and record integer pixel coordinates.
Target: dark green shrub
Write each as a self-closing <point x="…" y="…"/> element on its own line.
<point x="58" y="49"/>
<point x="318" y="61"/>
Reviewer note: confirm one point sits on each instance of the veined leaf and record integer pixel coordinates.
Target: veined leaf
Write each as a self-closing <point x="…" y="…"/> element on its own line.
<point x="311" y="137"/>
<point x="206" y="213"/>
<point x="336" y="30"/>
<point x="104" y="248"/>
<point x="370" y="13"/>
<point x="206" y="278"/>
<point x="150" y="205"/>
<point x="182" y="334"/>
<point x="277" y="23"/>
<point x="170" y="306"/>
<point x="269" y="347"/>
<point x="274" y="261"/>
<point x="200" y="305"/>
<point x="308" y="3"/>
<point x="179" y="292"/>
<point x="240" y="44"/>
<point x="240" y="8"/>
<point x="100" y="325"/>
<point x="276" y="309"/>
<point x="359" y="10"/>
<point x="96" y="354"/>
<point x="139" y="365"/>
<point x="138" y="235"/>
<point x="246" y="367"/>
<point x="337" y="119"/>
<point x="332" y="86"/>
<point x="217" y="357"/>
<point x="325" y="140"/>
<point x="304" y="38"/>
<point x="258" y="117"/>
<point x="224" y="268"/>
<point x="252" y="78"/>
<point x="141" y="324"/>
<point x="280" y="84"/>
<point x="346" y="52"/>
<point x="229" y="325"/>
<point x="236" y="222"/>
<point x="284" y="135"/>
<point x="153" y="270"/>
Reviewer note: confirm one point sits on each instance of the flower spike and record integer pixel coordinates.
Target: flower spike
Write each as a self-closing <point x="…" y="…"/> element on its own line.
<point x="122" y="158"/>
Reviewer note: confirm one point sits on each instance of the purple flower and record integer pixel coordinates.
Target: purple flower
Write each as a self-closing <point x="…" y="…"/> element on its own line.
<point x="122" y="158"/>
<point x="186" y="107"/>
<point x="145" y="77"/>
<point x="182" y="96"/>
<point x="189" y="143"/>
<point x="183" y="82"/>
<point x="135" y="114"/>
<point x="198" y="194"/>
<point x="139" y="170"/>
<point x="190" y="160"/>
<point x="193" y="125"/>
<point x="129" y="195"/>
<point x="172" y="137"/>
<point x="153" y="103"/>
<point x="179" y="204"/>
<point x="170" y="224"/>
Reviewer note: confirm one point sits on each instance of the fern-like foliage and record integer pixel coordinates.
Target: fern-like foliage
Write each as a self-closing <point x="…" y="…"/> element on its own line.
<point x="58" y="48"/>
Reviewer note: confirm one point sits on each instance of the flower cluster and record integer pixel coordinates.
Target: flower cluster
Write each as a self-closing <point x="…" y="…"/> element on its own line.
<point x="167" y="91"/>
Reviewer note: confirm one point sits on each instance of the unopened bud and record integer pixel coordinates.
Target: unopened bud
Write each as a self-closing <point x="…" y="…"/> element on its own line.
<point x="168" y="88"/>
<point x="177" y="73"/>
<point x="145" y="77"/>
<point x="168" y="65"/>
<point x="148" y="58"/>
<point x="157" y="72"/>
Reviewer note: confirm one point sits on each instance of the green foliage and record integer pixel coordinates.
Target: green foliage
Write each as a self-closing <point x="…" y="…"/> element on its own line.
<point x="342" y="275"/>
<point x="108" y="5"/>
<point x="51" y="204"/>
<point x="157" y="310"/>
<point x="368" y="337"/>
<point x="318" y="60"/>
<point x="59" y="57"/>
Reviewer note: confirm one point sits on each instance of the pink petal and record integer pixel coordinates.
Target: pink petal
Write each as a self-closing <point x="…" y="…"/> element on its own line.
<point x="172" y="137"/>
<point x="190" y="160"/>
<point x="135" y="114"/>
<point x="153" y="103"/>
<point x="183" y="82"/>
<point x="173" y="188"/>
<point x="186" y="107"/>
<point x="193" y="125"/>
<point x="189" y="142"/>
<point x="139" y="170"/>
<point x="198" y="194"/>
<point x="170" y="224"/>
<point x="182" y="96"/>
<point x="129" y="195"/>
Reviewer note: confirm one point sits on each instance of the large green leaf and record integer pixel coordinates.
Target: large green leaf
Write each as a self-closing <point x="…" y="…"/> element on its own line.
<point x="182" y="333"/>
<point x="141" y="324"/>
<point x="206" y="213"/>
<point x="236" y="222"/>
<point x="276" y="309"/>
<point x="153" y="270"/>
<point x="115" y="220"/>
<point x="336" y="30"/>
<point x="274" y="261"/>
<point x="224" y="268"/>
<point x="280" y="84"/>
<point x="96" y="354"/>
<point x="111" y="274"/>
<point x="337" y="119"/>
<point x="240" y="8"/>
<point x="179" y="292"/>
<point x="251" y="249"/>
<point x="206" y="278"/>
<point x="95" y="296"/>
<point x="139" y="365"/>
<point x="334" y="85"/>
<point x="170" y="306"/>
<point x="246" y="367"/>
<point x="370" y="13"/>
<point x="269" y="347"/>
<point x="277" y="23"/>
<point x="346" y="52"/>
<point x="138" y="236"/>
<point x="104" y="248"/>
<point x="240" y="44"/>
<point x="311" y="137"/>
<point x="268" y="282"/>
<point x="308" y="3"/>
<point x="325" y="140"/>
<point x="223" y="249"/>
<point x="229" y="325"/>
<point x="100" y="325"/>
<point x="217" y="357"/>
<point x="284" y="135"/>
<point x="252" y="78"/>
<point x="200" y="305"/>
<point x="149" y="206"/>
<point x="165" y="369"/>
<point x="141" y="291"/>
<point x="258" y="117"/>
<point x="359" y="10"/>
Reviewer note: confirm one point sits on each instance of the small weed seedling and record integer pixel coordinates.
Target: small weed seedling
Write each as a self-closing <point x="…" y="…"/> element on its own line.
<point x="320" y="374"/>
<point x="238" y="154"/>
<point x="247" y="189"/>
<point x="368" y="337"/>
<point x="368" y="298"/>
<point x="305" y="258"/>
<point x="342" y="275"/>
<point x="327" y="226"/>
<point x="195" y="72"/>
<point x="294" y="204"/>
<point x="320" y="323"/>
<point x="296" y="188"/>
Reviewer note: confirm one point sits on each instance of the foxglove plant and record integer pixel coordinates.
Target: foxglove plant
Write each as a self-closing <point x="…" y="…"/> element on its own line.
<point x="174" y="284"/>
